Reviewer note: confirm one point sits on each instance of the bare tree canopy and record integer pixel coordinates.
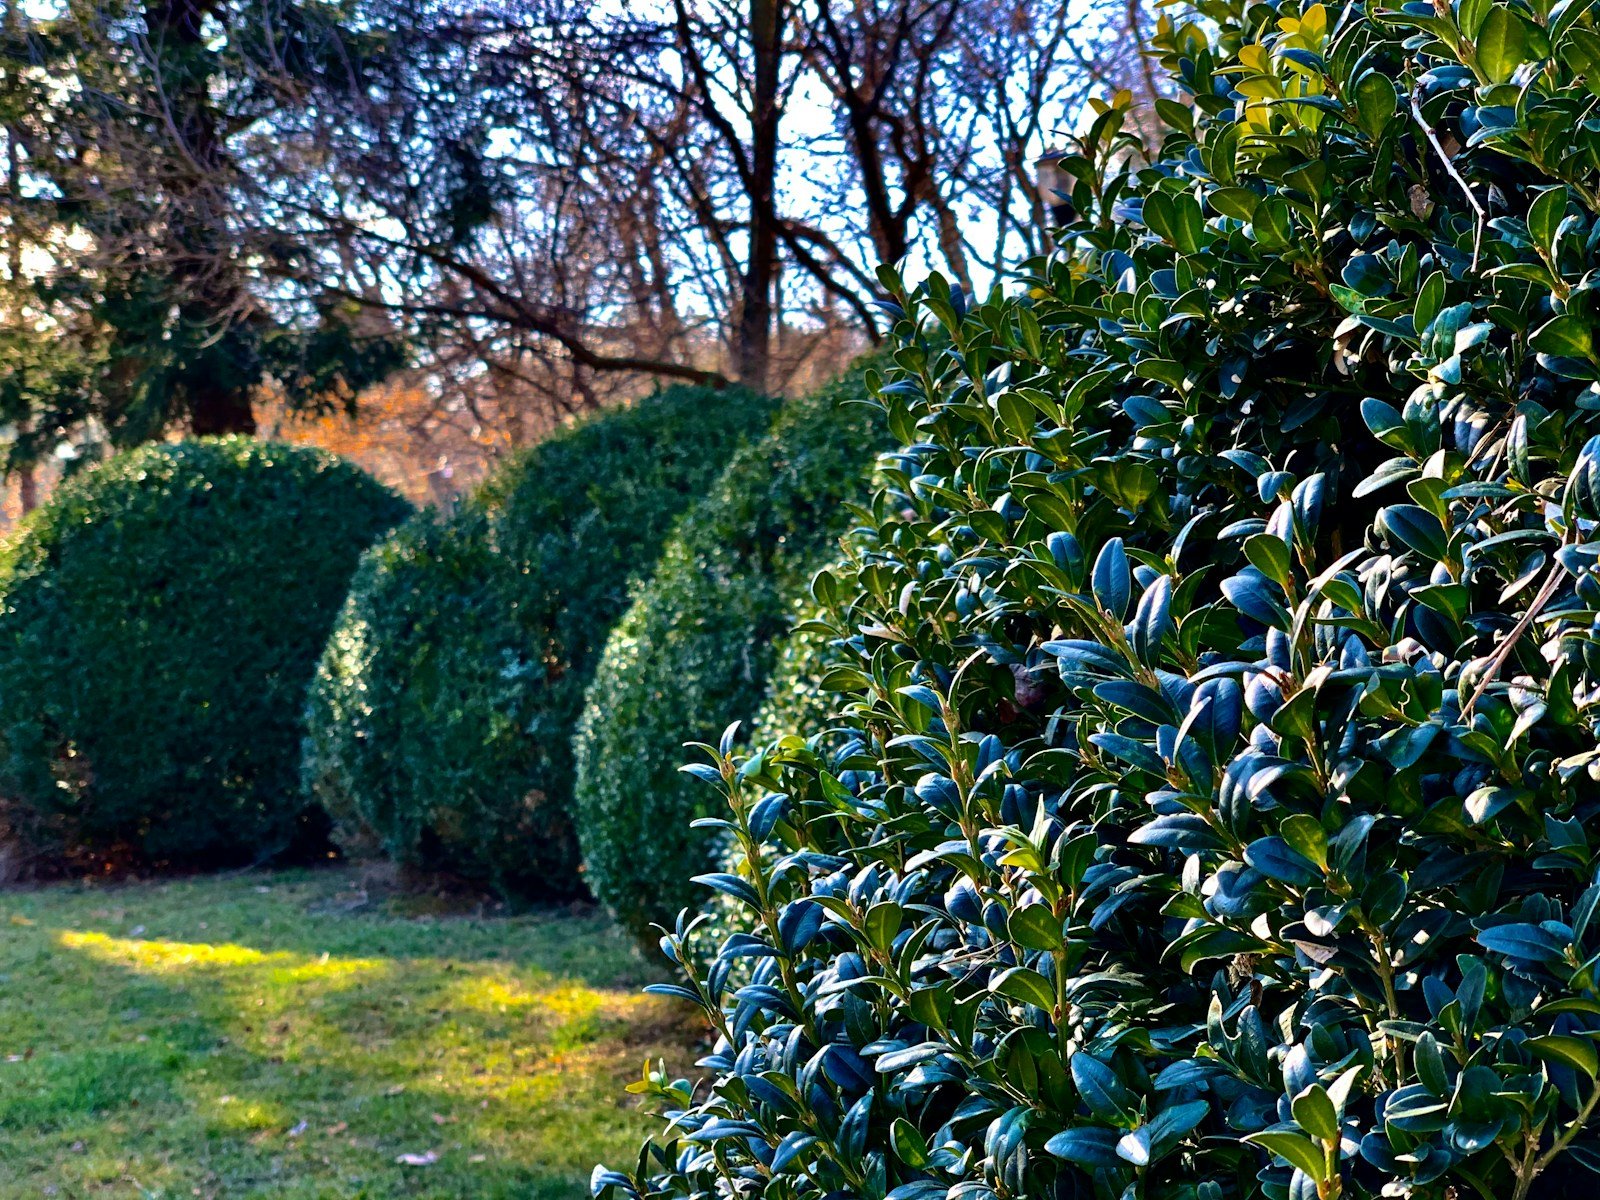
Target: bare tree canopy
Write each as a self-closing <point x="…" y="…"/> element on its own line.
<point x="210" y="204"/>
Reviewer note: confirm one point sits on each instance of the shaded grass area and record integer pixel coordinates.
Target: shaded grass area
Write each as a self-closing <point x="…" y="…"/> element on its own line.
<point x="279" y="1035"/>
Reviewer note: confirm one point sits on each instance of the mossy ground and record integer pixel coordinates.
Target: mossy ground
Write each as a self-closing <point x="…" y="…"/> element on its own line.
<point x="288" y="1035"/>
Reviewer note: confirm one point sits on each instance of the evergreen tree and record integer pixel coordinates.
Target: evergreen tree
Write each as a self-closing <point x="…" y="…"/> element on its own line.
<point x="142" y="293"/>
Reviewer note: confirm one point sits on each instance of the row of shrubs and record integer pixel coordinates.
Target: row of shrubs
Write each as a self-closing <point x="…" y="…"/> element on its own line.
<point x="223" y="651"/>
<point x="441" y="714"/>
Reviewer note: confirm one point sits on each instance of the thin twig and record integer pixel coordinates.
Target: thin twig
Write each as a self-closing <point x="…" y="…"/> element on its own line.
<point x="1503" y="652"/>
<point x="1450" y="169"/>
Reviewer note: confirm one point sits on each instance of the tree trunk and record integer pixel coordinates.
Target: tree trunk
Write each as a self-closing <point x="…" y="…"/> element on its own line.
<point x="221" y="411"/>
<point x="27" y="478"/>
<point x="219" y="398"/>
<point x="27" y="488"/>
<point x="755" y="295"/>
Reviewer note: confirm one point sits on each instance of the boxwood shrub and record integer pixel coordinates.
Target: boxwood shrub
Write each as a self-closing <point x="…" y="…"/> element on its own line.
<point x="695" y="648"/>
<point x="440" y="722"/>
<point x="796" y="701"/>
<point x="160" y="618"/>
<point x="1220" y="817"/>
<point x="410" y="642"/>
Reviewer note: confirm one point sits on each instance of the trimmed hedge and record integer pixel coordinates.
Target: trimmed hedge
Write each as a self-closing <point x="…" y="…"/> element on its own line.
<point x="1222" y="813"/>
<point x="795" y="700"/>
<point x="440" y="722"/>
<point x="160" y="619"/>
<point x="695" y="648"/>
<point x="403" y="650"/>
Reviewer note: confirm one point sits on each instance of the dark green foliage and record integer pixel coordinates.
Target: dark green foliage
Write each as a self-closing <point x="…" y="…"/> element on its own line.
<point x="694" y="650"/>
<point x="796" y="701"/>
<point x="160" y="618"/>
<point x="1224" y="667"/>
<point x="441" y="718"/>
<point x="411" y="647"/>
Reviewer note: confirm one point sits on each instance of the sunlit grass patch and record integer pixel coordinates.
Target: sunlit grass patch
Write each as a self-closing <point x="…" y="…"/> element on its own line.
<point x="252" y="1036"/>
<point x="162" y="957"/>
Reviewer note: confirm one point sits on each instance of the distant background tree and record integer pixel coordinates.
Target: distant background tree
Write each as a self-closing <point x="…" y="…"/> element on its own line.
<point x="129" y="223"/>
<point x="218" y="214"/>
<point x="706" y="183"/>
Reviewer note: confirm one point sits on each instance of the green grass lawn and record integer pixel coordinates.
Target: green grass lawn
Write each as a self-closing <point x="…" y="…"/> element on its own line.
<point x="280" y="1035"/>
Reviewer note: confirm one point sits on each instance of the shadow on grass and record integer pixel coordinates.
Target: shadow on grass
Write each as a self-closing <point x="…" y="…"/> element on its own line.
<point x="151" y="1065"/>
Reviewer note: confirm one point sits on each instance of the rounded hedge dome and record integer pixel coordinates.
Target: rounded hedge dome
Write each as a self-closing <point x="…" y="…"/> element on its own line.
<point x="694" y="651"/>
<point x="440" y="721"/>
<point x="160" y="619"/>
